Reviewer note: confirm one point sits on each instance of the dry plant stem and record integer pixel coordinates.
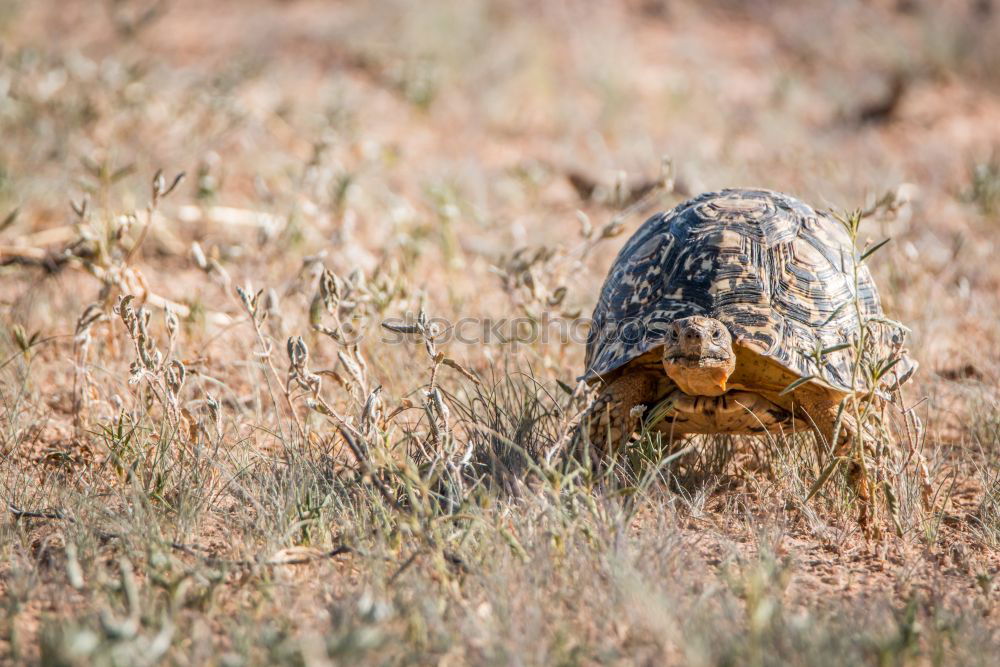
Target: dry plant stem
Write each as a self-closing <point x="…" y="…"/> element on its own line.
<point x="81" y="383"/>
<point x="351" y="436"/>
<point x="142" y="236"/>
<point x="369" y="468"/>
<point x="159" y="190"/>
<point x="664" y="185"/>
<point x="915" y="453"/>
<point x="266" y="354"/>
<point x="862" y="409"/>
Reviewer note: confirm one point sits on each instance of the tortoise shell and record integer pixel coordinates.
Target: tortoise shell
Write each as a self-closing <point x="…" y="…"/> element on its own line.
<point x="778" y="274"/>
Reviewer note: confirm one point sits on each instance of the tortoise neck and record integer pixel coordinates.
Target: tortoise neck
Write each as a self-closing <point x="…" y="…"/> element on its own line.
<point x="701" y="380"/>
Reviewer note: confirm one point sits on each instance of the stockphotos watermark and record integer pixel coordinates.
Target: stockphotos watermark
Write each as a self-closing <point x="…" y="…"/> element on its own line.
<point x="547" y="328"/>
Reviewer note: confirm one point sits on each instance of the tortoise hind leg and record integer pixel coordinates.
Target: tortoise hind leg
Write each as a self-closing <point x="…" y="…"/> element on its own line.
<point x="616" y="415"/>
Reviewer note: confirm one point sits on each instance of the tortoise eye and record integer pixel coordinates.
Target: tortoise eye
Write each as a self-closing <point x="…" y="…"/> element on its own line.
<point x="717" y="334"/>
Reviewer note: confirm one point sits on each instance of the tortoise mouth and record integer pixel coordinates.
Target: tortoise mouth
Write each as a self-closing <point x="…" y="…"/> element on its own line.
<point x="696" y="360"/>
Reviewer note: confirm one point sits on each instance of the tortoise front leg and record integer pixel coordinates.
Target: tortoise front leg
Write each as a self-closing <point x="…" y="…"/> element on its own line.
<point x="614" y="417"/>
<point x="822" y="411"/>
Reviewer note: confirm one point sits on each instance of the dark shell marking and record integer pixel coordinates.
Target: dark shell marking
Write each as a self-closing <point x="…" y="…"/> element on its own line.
<point x="768" y="266"/>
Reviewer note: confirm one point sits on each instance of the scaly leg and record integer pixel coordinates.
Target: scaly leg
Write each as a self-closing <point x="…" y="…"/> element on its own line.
<point x="823" y="413"/>
<point x="614" y="417"/>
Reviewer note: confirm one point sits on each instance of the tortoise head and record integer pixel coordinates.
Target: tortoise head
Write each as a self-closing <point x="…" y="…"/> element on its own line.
<point x="699" y="356"/>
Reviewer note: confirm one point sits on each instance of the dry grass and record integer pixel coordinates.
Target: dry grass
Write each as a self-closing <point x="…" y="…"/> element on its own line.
<point x="212" y="451"/>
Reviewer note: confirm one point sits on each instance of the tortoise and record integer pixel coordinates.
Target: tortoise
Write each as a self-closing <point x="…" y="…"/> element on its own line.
<point x="735" y="311"/>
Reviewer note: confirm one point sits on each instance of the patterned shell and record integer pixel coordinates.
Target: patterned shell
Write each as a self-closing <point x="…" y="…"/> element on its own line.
<point x="776" y="272"/>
